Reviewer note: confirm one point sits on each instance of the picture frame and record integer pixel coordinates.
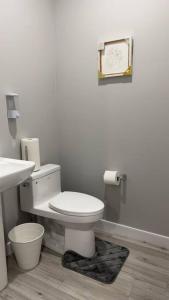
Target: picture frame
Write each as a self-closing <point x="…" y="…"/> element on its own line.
<point x="115" y="58"/>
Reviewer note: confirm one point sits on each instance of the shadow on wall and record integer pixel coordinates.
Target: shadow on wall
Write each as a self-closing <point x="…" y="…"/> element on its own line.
<point x="113" y="197"/>
<point x="12" y="128"/>
<point x="12" y="215"/>
<point x="52" y="227"/>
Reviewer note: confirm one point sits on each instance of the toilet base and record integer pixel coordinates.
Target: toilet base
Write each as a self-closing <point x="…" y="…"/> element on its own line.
<point x="81" y="242"/>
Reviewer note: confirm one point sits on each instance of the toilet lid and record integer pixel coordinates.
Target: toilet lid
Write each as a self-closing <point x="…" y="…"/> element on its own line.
<point x="76" y="204"/>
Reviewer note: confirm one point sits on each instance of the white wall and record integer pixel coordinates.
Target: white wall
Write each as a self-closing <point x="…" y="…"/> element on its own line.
<point x="27" y="66"/>
<point x="119" y="123"/>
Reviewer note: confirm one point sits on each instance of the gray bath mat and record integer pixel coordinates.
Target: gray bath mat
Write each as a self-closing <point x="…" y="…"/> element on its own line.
<point x="104" y="266"/>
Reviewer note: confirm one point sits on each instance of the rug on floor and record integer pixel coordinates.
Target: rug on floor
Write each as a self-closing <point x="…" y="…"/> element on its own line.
<point x="104" y="266"/>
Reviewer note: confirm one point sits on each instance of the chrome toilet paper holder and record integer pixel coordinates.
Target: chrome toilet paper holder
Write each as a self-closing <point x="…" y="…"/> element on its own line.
<point x="122" y="177"/>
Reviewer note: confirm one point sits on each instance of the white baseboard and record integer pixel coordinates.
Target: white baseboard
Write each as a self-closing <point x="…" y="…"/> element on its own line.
<point x="134" y="234"/>
<point x="56" y="242"/>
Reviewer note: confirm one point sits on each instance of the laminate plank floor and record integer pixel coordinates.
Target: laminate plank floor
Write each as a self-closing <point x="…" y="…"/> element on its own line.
<point x="144" y="276"/>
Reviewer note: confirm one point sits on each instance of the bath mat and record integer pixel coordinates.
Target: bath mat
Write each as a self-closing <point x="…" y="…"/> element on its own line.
<point x="104" y="266"/>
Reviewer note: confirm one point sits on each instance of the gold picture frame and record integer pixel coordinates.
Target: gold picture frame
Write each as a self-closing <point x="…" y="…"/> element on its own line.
<point x="115" y="58"/>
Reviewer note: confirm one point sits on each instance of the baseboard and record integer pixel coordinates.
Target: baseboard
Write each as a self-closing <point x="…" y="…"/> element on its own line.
<point x="118" y="231"/>
<point x="134" y="234"/>
<point x="56" y="243"/>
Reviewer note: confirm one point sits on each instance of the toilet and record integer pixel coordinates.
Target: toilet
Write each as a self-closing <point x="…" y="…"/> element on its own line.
<point x="41" y="195"/>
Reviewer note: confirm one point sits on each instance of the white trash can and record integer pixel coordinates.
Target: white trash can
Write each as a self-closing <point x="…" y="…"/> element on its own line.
<point x="26" y="241"/>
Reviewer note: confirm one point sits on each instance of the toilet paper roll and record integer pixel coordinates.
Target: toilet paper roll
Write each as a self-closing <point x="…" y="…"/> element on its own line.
<point x="111" y="177"/>
<point x="30" y="151"/>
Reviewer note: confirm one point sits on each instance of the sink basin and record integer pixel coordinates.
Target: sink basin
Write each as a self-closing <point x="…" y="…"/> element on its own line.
<point x="12" y="173"/>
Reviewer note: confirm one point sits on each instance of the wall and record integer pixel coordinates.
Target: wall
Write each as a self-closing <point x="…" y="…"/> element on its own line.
<point x="27" y="66"/>
<point x="118" y="123"/>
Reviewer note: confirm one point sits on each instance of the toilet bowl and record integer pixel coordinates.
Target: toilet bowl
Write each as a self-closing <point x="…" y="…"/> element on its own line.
<point x="77" y="212"/>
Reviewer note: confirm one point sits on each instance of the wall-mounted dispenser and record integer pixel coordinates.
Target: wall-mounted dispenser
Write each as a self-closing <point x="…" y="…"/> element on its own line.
<point x="12" y="113"/>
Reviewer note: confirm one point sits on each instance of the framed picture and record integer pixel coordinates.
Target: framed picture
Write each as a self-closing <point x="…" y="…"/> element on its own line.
<point x="115" y="58"/>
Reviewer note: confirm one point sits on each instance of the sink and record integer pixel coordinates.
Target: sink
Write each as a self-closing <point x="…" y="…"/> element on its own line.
<point x="12" y="173"/>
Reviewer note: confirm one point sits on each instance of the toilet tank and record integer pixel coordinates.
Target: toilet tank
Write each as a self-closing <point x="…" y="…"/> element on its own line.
<point x="40" y="187"/>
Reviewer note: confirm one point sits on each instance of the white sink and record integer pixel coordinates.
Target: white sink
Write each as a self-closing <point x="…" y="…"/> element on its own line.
<point x="12" y="173"/>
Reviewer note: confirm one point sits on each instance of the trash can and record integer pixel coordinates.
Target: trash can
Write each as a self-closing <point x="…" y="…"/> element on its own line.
<point x="26" y="241"/>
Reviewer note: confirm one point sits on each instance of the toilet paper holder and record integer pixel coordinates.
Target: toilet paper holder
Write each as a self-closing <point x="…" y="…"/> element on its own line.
<point x="122" y="177"/>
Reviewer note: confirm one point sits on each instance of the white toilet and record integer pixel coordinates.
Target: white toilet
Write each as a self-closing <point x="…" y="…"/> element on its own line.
<point x="41" y="195"/>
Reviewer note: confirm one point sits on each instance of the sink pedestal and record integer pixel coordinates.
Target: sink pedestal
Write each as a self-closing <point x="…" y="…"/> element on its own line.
<point x="12" y="173"/>
<point x="3" y="268"/>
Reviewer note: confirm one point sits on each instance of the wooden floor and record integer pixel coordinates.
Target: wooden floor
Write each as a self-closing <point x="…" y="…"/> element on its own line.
<point x="145" y="275"/>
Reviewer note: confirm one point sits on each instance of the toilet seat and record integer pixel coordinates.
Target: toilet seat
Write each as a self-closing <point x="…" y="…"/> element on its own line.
<point x="76" y="204"/>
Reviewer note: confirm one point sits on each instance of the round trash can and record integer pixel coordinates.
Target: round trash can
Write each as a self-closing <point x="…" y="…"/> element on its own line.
<point x="26" y="241"/>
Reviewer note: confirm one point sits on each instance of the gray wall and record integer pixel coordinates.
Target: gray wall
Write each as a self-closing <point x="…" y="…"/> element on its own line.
<point x="27" y="66"/>
<point x="116" y="124"/>
<point x="119" y="123"/>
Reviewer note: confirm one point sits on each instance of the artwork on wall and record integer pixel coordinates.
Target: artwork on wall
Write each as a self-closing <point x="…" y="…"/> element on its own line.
<point x="115" y="58"/>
